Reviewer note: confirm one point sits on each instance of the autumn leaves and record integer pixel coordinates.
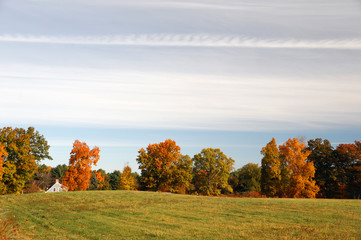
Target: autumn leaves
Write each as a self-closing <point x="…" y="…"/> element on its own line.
<point x="81" y="160"/>
<point x="79" y="173"/>
<point x="285" y="171"/>
<point x="164" y="168"/>
<point x="294" y="169"/>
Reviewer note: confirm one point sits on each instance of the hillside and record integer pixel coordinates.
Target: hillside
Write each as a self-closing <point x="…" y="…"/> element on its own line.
<point x="144" y="215"/>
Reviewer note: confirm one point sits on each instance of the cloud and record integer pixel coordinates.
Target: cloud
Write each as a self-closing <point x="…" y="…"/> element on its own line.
<point x="95" y="97"/>
<point x="229" y="5"/>
<point x="98" y="143"/>
<point x="187" y="40"/>
<point x="54" y="142"/>
<point x="180" y="4"/>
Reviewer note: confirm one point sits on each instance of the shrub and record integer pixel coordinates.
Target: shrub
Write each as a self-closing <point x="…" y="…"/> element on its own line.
<point x="252" y="194"/>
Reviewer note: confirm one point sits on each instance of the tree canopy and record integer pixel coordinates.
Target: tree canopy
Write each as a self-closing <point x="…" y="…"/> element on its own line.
<point x="297" y="180"/>
<point x="271" y="169"/>
<point x="127" y="181"/>
<point x="24" y="148"/>
<point x="160" y="164"/>
<point x="38" y="144"/>
<point x="211" y="171"/>
<point x="348" y="167"/>
<point x="286" y="171"/>
<point x="59" y="171"/>
<point x="247" y="178"/>
<point x="3" y="154"/>
<point x="80" y="163"/>
<point x="292" y="169"/>
<point x="323" y="158"/>
<point x="114" y="179"/>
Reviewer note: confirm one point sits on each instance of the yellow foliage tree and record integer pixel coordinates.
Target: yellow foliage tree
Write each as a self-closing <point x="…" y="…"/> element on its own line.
<point x="285" y="171"/>
<point x="298" y="179"/>
<point x="271" y="169"/>
<point x="127" y="181"/>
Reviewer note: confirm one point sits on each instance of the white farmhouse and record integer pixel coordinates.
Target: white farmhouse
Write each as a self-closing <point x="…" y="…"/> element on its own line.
<point x="57" y="187"/>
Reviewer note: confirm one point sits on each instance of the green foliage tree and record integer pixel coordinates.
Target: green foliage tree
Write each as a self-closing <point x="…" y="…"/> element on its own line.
<point x="247" y="178"/>
<point x="211" y="172"/>
<point x="323" y="157"/>
<point x="38" y="144"/>
<point x="25" y="149"/>
<point x="271" y="169"/>
<point x="59" y="171"/>
<point x="114" y="179"/>
<point x="182" y="174"/>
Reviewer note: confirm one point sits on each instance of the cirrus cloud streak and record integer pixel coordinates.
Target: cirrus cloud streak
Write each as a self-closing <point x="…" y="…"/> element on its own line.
<point x="186" y="40"/>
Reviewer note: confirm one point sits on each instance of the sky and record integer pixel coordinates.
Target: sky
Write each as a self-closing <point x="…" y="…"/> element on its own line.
<point x="227" y="74"/>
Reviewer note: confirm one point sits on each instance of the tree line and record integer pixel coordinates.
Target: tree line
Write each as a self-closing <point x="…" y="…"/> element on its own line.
<point x="295" y="169"/>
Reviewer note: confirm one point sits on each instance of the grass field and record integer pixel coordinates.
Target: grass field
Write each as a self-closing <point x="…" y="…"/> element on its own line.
<point x="145" y="215"/>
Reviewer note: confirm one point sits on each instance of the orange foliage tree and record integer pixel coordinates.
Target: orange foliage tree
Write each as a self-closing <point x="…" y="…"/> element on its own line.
<point x="348" y="165"/>
<point x="80" y="163"/>
<point x="160" y="164"/>
<point x="100" y="179"/>
<point x="3" y="154"/>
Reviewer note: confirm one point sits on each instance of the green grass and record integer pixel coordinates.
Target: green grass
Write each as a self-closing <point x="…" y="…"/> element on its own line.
<point x="145" y="215"/>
